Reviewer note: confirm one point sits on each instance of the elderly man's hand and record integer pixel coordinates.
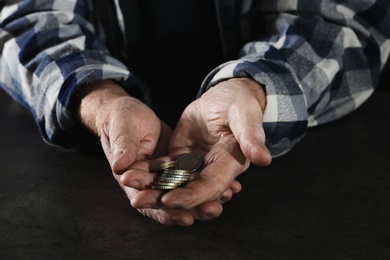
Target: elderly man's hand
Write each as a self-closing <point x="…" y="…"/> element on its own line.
<point x="225" y="127"/>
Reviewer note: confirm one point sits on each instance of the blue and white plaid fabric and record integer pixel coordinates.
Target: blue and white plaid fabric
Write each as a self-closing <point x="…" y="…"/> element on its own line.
<point x="319" y="60"/>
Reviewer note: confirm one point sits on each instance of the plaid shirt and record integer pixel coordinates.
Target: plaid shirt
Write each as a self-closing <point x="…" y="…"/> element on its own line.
<point x="319" y="60"/>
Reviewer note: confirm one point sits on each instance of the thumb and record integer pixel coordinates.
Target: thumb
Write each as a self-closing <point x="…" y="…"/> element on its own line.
<point x="121" y="151"/>
<point x="247" y="127"/>
<point x="252" y="144"/>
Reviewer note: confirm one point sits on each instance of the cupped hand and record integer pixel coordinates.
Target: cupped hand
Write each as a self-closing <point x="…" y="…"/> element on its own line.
<point x="132" y="136"/>
<point x="148" y="201"/>
<point x="130" y="133"/>
<point x="225" y="127"/>
<point x="128" y="129"/>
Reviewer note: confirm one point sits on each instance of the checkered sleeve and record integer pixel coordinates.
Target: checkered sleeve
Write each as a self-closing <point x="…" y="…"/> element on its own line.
<point x="318" y="60"/>
<point x="48" y="50"/>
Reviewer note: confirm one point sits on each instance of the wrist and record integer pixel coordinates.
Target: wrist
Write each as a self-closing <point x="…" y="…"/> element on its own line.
<point x="95" y="100"/>
<point x="256" y="88"/>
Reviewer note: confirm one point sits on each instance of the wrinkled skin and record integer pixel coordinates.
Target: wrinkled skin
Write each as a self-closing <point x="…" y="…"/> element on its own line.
<point x="224" y="126"/>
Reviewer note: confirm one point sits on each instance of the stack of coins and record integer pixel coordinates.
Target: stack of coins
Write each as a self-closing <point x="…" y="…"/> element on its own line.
<point x="175" y="173"/>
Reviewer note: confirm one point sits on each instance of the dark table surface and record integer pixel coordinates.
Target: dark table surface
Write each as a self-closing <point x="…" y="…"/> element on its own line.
<point x="328" y="198"/>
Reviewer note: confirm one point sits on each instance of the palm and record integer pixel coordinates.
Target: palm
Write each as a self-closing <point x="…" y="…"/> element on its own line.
<point x="206" y="133"/>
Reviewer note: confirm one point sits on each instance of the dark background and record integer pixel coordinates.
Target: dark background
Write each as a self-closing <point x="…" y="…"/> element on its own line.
<point x="328" y="198"/>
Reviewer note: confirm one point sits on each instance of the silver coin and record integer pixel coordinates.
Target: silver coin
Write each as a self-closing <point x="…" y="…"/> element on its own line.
<point x="176" y="172"/>
<point x="172" y="178"/>
<point x="163" y="183"/>
<point x="190" y="162"/>
<point x="175" y="177"/>
<point x="167" y="165"/>
<point x="164" y="187"/>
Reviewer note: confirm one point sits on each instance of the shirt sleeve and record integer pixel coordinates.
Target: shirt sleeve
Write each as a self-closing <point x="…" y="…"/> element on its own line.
<point x="318" y="60"/>
<point x="49" y="49"/>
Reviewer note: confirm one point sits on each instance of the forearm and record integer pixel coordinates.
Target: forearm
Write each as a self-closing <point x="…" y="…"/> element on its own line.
<point x="315" y="68"/>
<point x="49" y="52"/>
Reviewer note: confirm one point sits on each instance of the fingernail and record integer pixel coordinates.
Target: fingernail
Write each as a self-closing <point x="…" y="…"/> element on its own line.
<point x="177" y="219"/>
<point x="224" y="199"/>
<point x="210" y="216"/>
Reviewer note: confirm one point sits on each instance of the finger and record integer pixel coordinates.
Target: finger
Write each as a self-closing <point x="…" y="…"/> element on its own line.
<point x="209" y="210"/>
<point x="226" y="196"/>
<point x="247" y="128"/>
<point x="180" y="217"/>
<point x="235" y="187"/>
<point x="211" y="183"/>
<point x="123" y="145"/>
<point x="121" y="151"/>
<point x="184" y="217"/>
<point x="252" y="146"/>
<point x="169" y="217"/>
<point x="136" y="179"/>
<point x="122" y="159"/>
<point x="141" y="173"/>
<point x="148" y="198"/>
